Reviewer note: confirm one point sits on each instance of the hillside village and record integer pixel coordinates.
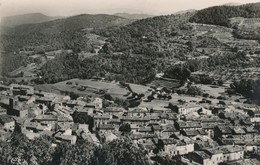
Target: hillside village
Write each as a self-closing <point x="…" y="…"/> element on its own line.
<point x="201" y="130"/>
<point x="106" y="89"/>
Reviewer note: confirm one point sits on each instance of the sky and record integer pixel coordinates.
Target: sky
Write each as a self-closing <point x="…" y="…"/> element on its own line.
<point x="73" y="7"/>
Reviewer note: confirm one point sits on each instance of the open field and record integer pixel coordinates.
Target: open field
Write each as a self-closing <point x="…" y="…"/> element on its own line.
<point x="86" y="87"/>
<point x="212" y="90"/>
<point x="164" y="83"/>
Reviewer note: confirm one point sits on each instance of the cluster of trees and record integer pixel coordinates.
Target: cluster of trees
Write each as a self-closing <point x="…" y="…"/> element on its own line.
<point x="229" y="60"/>
<point x="21" y="148"/>
<point x="178" y="72"/>
<point x="219" y="15"/>
<point x="121" y="67"/>
<point x="184" y="71"/>
<point x="248" y="87"/>
<point x="213" y="63"/>
<point x="13" y="61"/>
<point x="42" y="152"/>
<point x="190" y="90"/>
<point x="194" y="91"/>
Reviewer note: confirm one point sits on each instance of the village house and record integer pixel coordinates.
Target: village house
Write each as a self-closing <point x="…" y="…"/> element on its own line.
<point x="222" y="131"/>
<point x="21" y="90"/>
<point x="69" y="103"/>
<point x="168" y="118"/>
<point x="115" y="122"/>
<point x="137" y="112"/>
<point x="160" y="110"/>
<point x="169" y="146"/>
<point x="200" y="157"/>
<point x="250" y="130"/>
<point x="157" y="129"/>
<point x="238" y="130"/>
<point x="145" y="130"/>
<point x="47" y="119"/>
<point x="189" y="133"/>
<point x="184" y="109"/>
<point x="101" y="119"/>
<point x="4" y="103"/>
<point x="141" y="138"/>
<point x="135" y="120"/>
<point x="232" y="153"/>
<point x="36" y="127"/>
<point x="233" y="117"/>
<point x="209" y="128"/>
<point x="44" y="100"/>
<point x="204" y="112"/>
<point x="103" y="128"/>
<point x="216" y="155"/>
<point x="96" y="103"/>
<point x="187" y="125"/>
<point x="154" y="119"/>
<point x="65" y="137"/>
<point x="113" y="110"/>
<point x="203" y="144"/>
<point x="17" y="108"/>
<point x="184" y="147"/>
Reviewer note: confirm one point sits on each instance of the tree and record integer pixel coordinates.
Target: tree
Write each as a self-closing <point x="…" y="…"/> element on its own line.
<point x="80" y="153"/>
<point x="125" y="128"/>
<point x="121" y="151"/>
<point x="178" y="72"/>
<point x="38" y="151"/>
<point x="193" y="90"/>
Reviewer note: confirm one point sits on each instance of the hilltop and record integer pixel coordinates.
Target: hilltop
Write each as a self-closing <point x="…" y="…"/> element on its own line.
<point x="32" y="18"/>
<point x="133" y="16"/>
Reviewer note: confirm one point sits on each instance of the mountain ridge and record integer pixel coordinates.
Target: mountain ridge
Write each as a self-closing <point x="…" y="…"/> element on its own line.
<point x="135" y="16"/>
<point x="30" y="18"/>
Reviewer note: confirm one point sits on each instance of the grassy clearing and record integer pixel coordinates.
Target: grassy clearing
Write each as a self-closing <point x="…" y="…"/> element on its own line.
<point x="91" y="87"/>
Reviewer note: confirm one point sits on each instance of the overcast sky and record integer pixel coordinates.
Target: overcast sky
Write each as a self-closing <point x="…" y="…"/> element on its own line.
<point x="73" y="7"/>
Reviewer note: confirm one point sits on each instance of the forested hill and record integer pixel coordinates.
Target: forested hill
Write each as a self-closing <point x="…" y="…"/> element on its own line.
<point x="219" y="15"/>
<point x="72" y="24"/>
<point x="56" y="32"/>
<point x="148" y="36"/>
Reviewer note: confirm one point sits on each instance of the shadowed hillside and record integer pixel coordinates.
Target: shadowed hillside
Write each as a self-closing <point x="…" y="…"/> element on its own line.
<point x="57" y="34"/>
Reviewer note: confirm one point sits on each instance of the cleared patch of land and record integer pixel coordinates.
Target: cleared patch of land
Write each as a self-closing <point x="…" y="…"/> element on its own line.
<point x="86" y="87"/>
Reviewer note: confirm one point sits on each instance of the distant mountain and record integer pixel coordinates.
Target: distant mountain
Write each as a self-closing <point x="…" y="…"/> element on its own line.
<point x="232" y="4"/>
<point x="220" y="15"/>
<point x="32" y="18"/>
<point x="133" y="16"/>
<point x="185" y="11"/>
